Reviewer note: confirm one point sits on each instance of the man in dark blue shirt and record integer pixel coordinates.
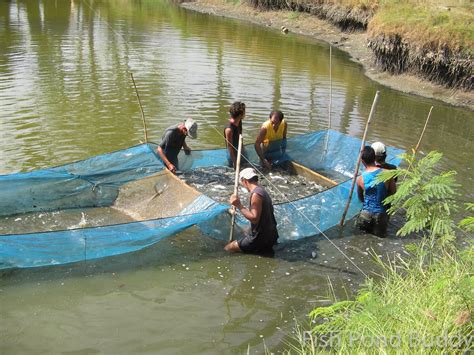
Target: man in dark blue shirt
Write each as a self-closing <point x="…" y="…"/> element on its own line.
<point x="173" y="140"/>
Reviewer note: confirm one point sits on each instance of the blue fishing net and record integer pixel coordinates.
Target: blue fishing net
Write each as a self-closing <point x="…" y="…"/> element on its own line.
<point x="97" y="183"/>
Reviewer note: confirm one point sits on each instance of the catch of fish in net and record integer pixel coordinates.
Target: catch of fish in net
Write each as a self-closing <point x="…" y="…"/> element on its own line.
<point x="281" y="183"/>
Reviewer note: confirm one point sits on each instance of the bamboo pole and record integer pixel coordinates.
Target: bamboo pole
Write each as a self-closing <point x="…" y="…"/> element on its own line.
<point x="326" y="143"/>
<point x="236" y="186"/>
<point x="141" y="108"/>
<point x="424" y="129"/>
<point x="330" y="86"/>
<point x="356" y="172"/>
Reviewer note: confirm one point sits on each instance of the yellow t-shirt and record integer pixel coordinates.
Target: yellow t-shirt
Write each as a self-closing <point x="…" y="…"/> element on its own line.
<point x="273" y="135"/>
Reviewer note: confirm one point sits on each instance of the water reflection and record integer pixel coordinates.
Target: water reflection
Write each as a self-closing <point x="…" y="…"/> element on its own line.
<point x="67" y="93"/>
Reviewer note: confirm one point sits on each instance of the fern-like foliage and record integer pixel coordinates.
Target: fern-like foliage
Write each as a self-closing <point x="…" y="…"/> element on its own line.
<point x="468" y="223"/>
<point x="426" y="195"/>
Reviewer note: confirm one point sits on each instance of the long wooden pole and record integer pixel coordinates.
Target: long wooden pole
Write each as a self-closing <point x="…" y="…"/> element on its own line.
<point x="356" y="172"/>
<point x="236" y="186"/>
<point x="424" y="129"/>
<point x="330" y="100"/>
<point x="330" y="86"/>
<point x="141" y="108"/>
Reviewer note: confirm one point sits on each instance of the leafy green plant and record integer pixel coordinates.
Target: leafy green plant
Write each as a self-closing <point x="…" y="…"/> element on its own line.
<point x="467" y="223"/>
<point x="426" y="196"/>
<point x="421" y="301"/>
<point x="414" y="308"/>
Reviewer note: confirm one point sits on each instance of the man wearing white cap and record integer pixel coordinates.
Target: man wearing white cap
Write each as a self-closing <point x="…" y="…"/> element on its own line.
<point x="373" y="217"/>
<point x="263" y="234"/>
<point x="380" y="155"/>
<point x="173" y="140"/>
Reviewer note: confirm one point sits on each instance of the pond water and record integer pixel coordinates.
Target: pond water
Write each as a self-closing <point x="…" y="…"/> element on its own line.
<point x="66" y="94"/>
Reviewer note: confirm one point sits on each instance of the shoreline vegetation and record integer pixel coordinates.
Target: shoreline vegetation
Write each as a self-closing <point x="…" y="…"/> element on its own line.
<point x="421" y="303"/>
<point x="421" y="47"/>
<point x="417" y="306"/>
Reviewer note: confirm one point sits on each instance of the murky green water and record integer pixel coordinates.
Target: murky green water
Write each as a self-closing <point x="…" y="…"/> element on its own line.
<point x="66" y="94"/>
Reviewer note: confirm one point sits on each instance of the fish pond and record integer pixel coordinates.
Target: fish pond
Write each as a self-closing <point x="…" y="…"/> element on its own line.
<point x="66" y="95"/>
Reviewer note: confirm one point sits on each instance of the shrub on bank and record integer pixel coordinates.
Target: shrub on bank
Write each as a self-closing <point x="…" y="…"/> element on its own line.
<point x="415" y="308"/>
<point x="425" y="38"/>
<point x="422" y="303"/>
<point x="430" y="38"/>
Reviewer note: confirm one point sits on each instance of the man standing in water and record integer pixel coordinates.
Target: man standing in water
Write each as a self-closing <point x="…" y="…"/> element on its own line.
<point x="233" y="130"/>
<point x="373" y="217"/>
<point x="173" y="140"/>
<point x="271" y="140"/>
<point x="263" y="234"/>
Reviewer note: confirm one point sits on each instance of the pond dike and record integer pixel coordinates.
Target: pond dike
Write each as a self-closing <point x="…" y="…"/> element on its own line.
<point x="450" y="67"/>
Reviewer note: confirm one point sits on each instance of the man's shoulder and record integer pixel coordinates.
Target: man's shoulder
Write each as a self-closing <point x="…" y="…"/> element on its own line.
<point x="260" y="192"/>
<point x="170" y="134"/>
<point x="388" y="166"/>
<point x="172" y="127"/>
<point x="266" y="124"/>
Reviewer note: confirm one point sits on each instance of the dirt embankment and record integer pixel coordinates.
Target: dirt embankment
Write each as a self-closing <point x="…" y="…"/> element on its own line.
<point x="346" y="30"/>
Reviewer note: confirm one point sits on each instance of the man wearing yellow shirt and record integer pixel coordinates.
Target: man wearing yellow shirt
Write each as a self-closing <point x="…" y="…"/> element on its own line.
<point x="271" y="140"/>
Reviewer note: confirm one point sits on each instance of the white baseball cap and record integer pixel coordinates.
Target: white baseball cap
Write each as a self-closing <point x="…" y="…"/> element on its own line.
<point x="192" y="128"/>
<point x="247" y="174"/>
<point x="379" y="148"/>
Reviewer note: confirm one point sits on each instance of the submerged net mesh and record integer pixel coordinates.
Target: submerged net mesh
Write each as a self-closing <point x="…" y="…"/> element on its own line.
<point x="124" y="201"/>
<point x="149" y="198"/>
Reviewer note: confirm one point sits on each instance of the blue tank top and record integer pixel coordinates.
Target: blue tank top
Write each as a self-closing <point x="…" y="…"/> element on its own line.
<point x="374" y="194"/>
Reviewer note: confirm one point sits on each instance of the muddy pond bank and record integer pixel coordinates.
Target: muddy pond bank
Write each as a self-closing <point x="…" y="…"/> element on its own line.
<point x="354" y="43"/>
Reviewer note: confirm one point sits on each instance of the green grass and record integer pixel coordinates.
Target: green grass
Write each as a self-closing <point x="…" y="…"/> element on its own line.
<point x="233" y="2"/>
<point x="415" y="308"/>
<point x="422" y="303"/>
<point x="293" y="15"/>
<point x="427" y="23"/>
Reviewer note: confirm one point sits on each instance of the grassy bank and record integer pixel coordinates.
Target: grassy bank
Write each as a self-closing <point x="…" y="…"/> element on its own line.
<point x="433" y="39"/>
<point x="414" y="308"/>
<point x="434" y="22"/>
<point x="427" y="22"/>
<point x="422" y="303"/>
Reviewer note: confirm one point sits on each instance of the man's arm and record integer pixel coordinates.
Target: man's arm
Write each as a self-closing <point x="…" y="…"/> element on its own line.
<point x="163" y="157"/>
<point x="228" y="139"/>
<point x="258" y="147"/>
<point x="360" y="188"/>
<point x="253" y="214"/>
<point x="186" y="148"/>
<point x="283" y="141"/>
<point x="392" y="187"/>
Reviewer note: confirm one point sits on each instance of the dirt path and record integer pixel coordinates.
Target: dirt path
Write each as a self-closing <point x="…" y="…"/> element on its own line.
<point x="353" y="43"/>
